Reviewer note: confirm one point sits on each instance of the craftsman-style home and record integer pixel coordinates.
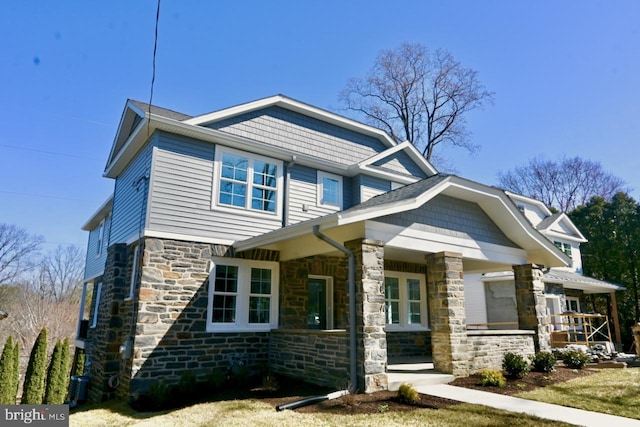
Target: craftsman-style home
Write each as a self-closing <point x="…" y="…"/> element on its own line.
<point x="278" y="234"/>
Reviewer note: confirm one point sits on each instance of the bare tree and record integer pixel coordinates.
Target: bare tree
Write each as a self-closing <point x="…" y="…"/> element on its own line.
<point x="418" y="95"/>
<point x="564" y="184"/>
<point x="17" y="248"/>
<point x="62" y="272"/>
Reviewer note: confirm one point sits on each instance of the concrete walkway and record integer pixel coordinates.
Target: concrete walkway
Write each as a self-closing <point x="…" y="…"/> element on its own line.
<point x="539" y="409"/>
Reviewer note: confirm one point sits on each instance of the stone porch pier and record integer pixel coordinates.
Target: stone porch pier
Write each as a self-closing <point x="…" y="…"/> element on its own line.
<point x="532" y="305"/>
<point x="447" y="317"/>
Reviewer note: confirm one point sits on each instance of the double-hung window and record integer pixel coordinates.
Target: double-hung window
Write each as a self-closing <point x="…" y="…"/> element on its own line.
<point x="243" y="295"/>
<point x="566" y="248"/>
<point x="329" y="192"/>
<point x="405" y="301"/>
<point x="248" y="181"/>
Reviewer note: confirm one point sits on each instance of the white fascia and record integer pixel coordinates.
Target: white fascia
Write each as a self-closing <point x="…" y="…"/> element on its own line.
<point x="525" y="199"/>
<point x="102" y="212"/>
<point x="411" y="151"/>
<point x="579" y="237"/>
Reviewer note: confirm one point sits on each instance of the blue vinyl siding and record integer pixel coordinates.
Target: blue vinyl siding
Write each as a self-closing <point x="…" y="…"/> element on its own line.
<point x="400" y="162"/>
<point x="182" y="190"/>
<point x="371" y="186"/>
<point x="129" y="206"/>
<point x="94" y="265"/>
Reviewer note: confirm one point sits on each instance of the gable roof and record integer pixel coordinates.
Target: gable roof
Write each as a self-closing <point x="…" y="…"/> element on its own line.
<point x="494" y="202"/>
<point x="139" y="121"/>
<point x="549" y="222"/>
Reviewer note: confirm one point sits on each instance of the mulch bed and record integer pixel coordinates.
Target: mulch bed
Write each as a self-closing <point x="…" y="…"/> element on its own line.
<point x="386" y="401"/>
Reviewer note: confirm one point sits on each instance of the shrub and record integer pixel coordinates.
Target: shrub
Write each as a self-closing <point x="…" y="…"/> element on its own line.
<point x="34" y="379"/>
<point x="408" y="395"/>
<point x="158" y="396"/>
<point x="78" y="363"/>
<point x="7" y="374"/>
<point x="575" y="359"/>
<point x="16" y="370"/>
<point x="514" y="365"/>
<point x="54" y="391"/>
<point x="544" y="361"/>
<point x="215" y="379"/>
<point x="187" y="384"/>
<point x="491" y="377"/>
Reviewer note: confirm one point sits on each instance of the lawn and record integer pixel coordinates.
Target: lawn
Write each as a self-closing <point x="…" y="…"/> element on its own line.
<point x="615" y="391"/>
<point x="611" y="391"/>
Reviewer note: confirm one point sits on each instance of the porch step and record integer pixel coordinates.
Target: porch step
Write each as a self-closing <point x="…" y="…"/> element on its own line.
<point x="418" y="372"/>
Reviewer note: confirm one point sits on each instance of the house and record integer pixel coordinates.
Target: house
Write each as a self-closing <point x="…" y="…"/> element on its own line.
<point x="278" y="234"/>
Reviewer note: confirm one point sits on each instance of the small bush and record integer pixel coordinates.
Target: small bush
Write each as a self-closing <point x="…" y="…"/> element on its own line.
<point x="408" y="395"/>
<point x="158" y="397"/>
<point x="544" y="361"/>
<point x="575" y="359"/>
<point x="215" y="379"/>
<point x="187" y="384"/>
<point x="490" y="377"/>
<point x="36" y="375"/>
<point x="7" y="374"/>
<point x="514" y="365"/>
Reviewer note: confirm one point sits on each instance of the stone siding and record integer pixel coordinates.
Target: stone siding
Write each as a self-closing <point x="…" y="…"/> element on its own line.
<point x="532" y="304"/>
<point x="171" y="334"/>
<point x="294" y="293"/>
<point x="487" y="348"/>
<point x="318" y="357"/>
<point x="408" y="344"/>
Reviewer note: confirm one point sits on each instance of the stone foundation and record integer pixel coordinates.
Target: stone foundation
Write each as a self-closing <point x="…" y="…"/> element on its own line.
<point x="408" y="344"/>
<point x="318" y="357"/>
<point x="487" y="348"/>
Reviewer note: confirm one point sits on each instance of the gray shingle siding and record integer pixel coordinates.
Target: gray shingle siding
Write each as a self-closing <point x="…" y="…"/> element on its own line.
<point x="400" y="162"/>
<point x="371" y="186"/>
<point x="302" y="134"/>
<point x="452" y="217"/>
<point x="129" y="202"/>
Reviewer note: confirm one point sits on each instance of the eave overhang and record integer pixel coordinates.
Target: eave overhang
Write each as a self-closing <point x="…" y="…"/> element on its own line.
<point x="103" y="211"/>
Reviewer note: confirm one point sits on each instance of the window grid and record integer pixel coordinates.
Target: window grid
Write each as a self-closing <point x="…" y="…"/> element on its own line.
<point x="225" y="292"/>
<point x="392" y="300"/>
<point x="260" y="296"/>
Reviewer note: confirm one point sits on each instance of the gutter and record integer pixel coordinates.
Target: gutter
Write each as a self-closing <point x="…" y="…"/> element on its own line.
<point x="352" y="304"/>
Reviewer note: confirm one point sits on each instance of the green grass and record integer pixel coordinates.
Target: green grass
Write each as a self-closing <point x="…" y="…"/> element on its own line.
<point x="249" y="412"/>
<point x="610" y="391"/>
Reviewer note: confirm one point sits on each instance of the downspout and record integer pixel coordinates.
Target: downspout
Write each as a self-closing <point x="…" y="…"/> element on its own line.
<point x="352" y="332"/>
<point x="285" y="192"/>
<point x="352" y="304"/>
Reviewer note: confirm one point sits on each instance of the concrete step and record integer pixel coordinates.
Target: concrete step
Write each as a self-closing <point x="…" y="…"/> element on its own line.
<point x="417" y="371"/>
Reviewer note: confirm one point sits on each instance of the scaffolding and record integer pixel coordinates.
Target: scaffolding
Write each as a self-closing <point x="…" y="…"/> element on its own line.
<point x="579" y="328"/>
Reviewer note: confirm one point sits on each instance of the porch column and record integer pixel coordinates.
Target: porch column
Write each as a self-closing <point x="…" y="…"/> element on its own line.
<point x="370" y="321"/>
<point x="447" y="317"/>
<point x="531" y="303"/>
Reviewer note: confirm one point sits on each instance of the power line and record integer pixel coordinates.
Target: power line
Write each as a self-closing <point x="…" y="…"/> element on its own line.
<point x="153" y="73"/>
<point x="55" y="153"/>
<point x="44" y="196"/>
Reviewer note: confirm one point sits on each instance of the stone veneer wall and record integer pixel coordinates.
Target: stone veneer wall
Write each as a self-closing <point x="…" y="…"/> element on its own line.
<point x="294" y="294"/>
<point x="319" y="357"/>
<point x="171" y="334"/>
<point x="487" y="348"/>
<point x="408" y="344"/>
<point x="532" y="304"/>
<point x="112" y="326"/>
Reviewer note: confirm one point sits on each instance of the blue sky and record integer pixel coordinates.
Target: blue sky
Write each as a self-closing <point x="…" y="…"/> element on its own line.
<point x="566" y="77"/>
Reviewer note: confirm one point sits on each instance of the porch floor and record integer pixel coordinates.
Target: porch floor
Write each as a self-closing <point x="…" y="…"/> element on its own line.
<point x="417" y="371"/>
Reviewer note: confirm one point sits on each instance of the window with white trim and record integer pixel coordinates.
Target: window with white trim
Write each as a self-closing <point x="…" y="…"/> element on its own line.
<point x="100" y="241"/>
<point x="247" y="181"/>
<point x="94" y="318"/>
<point x="573" y="304"/>
<point x="243" y="295"/>
<point x="329" y="190"/>
<point x="405" y="300"/>
<point x="566" y="248"/>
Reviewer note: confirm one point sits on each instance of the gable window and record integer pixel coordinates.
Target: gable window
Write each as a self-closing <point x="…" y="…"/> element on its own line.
<point x="329" y="190"/>
<point x="566" y="248"/>
<point x="248" y="181"/>
<point x="243" y="295"/>
<point x="405" y="300"/>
